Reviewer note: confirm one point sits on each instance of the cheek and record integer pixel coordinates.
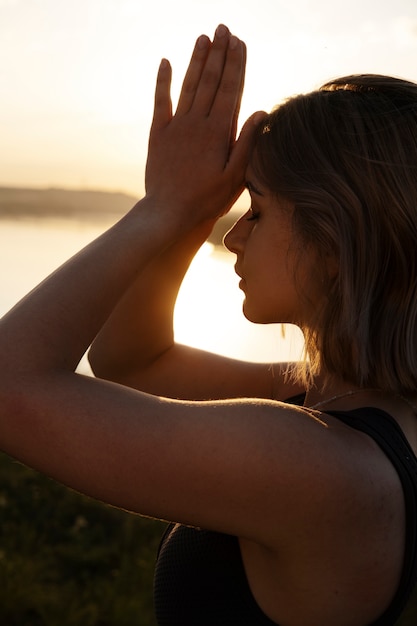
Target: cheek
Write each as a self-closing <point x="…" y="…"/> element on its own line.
<point x="272" y="294"/>
<point x="311" y="279"/>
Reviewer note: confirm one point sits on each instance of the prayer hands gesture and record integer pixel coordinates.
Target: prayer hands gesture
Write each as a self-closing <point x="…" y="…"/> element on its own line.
<point x="195" y="165"/>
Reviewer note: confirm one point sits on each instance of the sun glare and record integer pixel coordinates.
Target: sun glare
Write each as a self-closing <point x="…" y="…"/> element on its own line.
<point x="209" y="316"/>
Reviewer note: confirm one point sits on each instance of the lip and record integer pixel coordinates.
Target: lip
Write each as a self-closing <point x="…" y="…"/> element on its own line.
<point x="242" y="280"/>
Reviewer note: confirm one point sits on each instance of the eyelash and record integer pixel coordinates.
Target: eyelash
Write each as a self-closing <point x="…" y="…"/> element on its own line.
<point x="253" y="216"/>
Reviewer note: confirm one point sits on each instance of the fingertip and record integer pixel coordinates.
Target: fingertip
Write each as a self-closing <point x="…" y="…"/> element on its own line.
<point x="203" y="42"/>
<point x="221" y="31"/>
<point x="164" y="65"/>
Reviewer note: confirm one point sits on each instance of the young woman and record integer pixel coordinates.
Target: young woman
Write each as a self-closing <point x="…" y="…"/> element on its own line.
<point x="297" y="513"/>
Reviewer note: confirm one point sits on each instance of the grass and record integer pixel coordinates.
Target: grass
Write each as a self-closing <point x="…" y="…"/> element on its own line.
<point x="67" y="560"/>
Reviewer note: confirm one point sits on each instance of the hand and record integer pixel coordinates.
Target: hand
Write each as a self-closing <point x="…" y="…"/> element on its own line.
<point x="195" y="165"/>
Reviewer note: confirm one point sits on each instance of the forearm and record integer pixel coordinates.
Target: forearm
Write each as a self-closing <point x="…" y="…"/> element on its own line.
<point x="54" y="325"/>
<point x="140" y="328"/>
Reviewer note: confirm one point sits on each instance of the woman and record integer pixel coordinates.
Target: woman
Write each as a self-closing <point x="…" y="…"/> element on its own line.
<point x="308" y="506"/>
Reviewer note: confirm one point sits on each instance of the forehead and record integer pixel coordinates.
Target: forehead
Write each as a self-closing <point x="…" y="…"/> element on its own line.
<point x="259" y="191"/>
<point x="253" y="184"/>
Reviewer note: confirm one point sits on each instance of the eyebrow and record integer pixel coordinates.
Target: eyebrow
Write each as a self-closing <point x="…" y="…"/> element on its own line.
<point x="252" y="189"/>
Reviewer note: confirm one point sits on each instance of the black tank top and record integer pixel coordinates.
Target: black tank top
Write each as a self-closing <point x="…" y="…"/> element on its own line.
<point x="200" y="578"/>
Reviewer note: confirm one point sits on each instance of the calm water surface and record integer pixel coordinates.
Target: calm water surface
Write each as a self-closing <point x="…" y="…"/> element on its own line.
<point x="209" y="307"/>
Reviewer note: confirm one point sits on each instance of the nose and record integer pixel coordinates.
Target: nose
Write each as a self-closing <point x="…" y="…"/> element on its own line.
<point x="234" y="239"/>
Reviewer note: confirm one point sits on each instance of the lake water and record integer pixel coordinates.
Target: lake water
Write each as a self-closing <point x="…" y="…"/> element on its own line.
<point x="209" y="307"/>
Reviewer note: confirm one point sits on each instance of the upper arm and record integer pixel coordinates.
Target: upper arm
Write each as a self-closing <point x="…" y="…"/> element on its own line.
<point x="189" y="373"/>
<point x="239" y="467"/>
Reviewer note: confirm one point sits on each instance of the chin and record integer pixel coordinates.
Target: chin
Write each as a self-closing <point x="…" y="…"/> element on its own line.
<point x="255" y="317"/>
<point x="247" y="314"/>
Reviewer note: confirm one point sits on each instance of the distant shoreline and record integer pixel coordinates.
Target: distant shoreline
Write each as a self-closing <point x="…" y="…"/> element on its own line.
<point x="80" y="205"/>
<point x="15" y="201"/>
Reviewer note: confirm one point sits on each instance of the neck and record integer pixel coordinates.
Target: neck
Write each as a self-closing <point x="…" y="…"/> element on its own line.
<point x="328" y="400"/>
<point x="329" y="396"/>
<point x="326" y="387"/>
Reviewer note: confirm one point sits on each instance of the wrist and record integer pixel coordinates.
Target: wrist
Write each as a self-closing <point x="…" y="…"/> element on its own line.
<point x="170" y="222"/>
<point x="157" y="220"/>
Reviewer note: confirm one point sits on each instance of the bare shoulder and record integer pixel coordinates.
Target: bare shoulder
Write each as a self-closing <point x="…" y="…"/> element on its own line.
<point x="343" y="478"/>
<point x="342" y="530"/>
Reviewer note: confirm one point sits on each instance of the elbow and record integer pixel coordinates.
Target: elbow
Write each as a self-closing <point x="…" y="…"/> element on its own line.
<point x="103" y="366"/>
<point x="99" y="365"/>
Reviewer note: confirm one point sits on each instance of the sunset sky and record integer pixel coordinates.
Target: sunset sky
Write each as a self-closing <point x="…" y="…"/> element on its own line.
<point x="77" y="76"/>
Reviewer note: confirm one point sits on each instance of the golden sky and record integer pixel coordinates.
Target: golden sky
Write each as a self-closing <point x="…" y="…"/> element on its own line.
<point x="77" y="77"/>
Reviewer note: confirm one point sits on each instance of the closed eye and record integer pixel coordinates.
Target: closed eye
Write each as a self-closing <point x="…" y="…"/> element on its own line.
<point x="252" y="215"/>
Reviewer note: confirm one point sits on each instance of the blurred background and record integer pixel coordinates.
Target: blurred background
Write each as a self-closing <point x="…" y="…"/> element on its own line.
<point x="76" y="94"/>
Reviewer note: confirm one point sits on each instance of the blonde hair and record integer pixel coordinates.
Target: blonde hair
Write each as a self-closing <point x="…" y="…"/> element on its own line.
<point x="345" y="156"/>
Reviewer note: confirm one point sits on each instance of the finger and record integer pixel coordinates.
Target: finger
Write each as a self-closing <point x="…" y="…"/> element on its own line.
<point x="212" y="71"/>
<point x="162" y="113"/>
<point x="193" y="74"/>
<point x="239" y="98"/>
<point x="228" y="96"/>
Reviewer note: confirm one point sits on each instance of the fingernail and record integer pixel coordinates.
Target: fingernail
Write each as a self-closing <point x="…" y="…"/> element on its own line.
<point x="221" y="30"/>
<point x="202" y="42"/>
<point x="164" y="64"/>
<point x="233" y="42"/>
